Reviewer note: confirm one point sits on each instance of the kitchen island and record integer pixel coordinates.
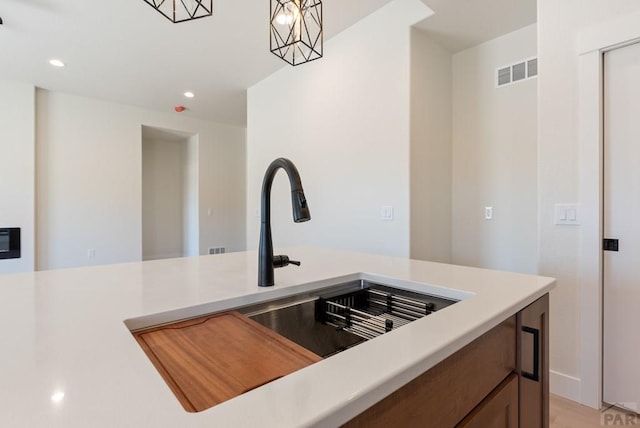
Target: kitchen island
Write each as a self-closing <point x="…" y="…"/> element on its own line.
<point x="69" y="358"/>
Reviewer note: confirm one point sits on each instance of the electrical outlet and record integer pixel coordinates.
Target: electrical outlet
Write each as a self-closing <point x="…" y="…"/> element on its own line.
<point x="91" y="253"/>
<point x="488" y="213"/>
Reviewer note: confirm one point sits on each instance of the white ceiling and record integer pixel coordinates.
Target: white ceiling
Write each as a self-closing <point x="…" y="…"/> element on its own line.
<point x="124" y="51"/>
<point x="461" y="24"/>
<point x="170" y="135"/>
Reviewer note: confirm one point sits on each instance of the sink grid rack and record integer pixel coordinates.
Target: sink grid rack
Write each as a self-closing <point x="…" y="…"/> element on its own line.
<point x="369" y="312"/>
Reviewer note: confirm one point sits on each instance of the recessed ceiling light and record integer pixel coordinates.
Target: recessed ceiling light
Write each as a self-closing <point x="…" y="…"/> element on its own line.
<point x="57" y="397"/>
<point x="56" y="63"/>
<point x="189" y="94"/>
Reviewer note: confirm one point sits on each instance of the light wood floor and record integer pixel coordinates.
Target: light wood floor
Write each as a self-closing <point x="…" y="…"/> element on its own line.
<point x="565" y="413"/>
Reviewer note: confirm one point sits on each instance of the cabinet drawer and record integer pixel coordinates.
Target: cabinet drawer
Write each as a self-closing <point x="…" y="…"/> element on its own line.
<point x="444" y="395"/>
<point x="498" y="410"/>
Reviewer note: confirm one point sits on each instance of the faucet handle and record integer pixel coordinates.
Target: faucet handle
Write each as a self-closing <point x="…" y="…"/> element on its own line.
<point x="283" y="260"/>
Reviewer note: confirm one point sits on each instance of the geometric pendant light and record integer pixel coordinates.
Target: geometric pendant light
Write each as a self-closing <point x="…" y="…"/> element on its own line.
<point x="182" y="10"/>
<point x="296" y="30"/>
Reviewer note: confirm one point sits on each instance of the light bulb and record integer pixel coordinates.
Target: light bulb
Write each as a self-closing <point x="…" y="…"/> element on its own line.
<point x="285" y="18"/>
<point x="295" y="14"/>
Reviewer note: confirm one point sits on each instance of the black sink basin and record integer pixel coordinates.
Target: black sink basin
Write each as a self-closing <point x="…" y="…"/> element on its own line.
<point x="298" y="323"/>
<point x="343" y="316"/>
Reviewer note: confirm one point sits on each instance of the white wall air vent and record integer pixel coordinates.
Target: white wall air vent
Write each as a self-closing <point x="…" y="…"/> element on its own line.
<point x="217" y="250"/>
<point x="504" y="76"/>
<point x="518" y="72"/>
<point x="532" y="67"/>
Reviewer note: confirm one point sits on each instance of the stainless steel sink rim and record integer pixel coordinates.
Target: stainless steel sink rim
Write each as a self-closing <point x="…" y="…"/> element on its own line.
<point x="327" y="327"/>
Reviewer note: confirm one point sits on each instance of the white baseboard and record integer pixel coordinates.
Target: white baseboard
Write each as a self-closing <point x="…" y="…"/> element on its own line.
<point x="161" y="256"/>
<point x="564" y="385"/>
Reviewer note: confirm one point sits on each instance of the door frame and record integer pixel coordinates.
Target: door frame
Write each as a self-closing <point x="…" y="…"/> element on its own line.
<point x="592" y="44"/>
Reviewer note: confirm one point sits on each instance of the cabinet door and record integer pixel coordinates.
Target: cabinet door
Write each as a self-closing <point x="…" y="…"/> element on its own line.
<point x="444" y="395"/>
<point x="498" y="410"/>
<point x="533" y="364"/>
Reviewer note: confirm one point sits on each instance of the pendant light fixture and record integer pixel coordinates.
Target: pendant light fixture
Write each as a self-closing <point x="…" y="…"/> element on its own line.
<point x="296" y="30"/>
<point x="182" y="10"/>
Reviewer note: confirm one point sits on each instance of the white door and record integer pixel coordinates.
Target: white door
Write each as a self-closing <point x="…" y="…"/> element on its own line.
<point x="621" y="215"/>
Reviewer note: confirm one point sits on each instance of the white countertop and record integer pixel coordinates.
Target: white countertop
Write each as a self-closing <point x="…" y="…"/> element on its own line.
<point x="64" y="332"/>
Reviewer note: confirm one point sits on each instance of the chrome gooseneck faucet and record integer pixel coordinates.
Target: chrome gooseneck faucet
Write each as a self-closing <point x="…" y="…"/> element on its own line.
<point x="266" y="260"/>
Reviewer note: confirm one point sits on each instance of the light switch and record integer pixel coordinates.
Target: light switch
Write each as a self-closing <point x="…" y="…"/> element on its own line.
<point x="386" y="213"/>
<point x="566" y="214"/>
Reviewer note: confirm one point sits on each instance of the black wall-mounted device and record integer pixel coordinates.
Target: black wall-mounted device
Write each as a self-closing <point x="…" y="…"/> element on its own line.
<point x="10" y="243"/>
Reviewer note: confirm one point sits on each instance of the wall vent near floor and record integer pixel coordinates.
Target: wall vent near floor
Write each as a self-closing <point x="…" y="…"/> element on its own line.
<point x="217" y="250"/>
<point x="518" y="72"/>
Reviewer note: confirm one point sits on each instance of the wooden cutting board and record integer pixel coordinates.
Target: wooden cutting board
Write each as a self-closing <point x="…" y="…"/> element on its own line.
<point x="211" y="359"/>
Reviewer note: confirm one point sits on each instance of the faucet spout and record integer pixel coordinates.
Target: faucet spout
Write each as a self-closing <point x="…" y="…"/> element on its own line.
<point x="266" y="260"/>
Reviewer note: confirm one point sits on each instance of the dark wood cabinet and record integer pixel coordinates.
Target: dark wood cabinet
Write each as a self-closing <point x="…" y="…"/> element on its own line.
<point x="445" y="394"/>
<point x="498" y="410"/>
<point x="533" y="364"/>
<point x="499" y="380"/>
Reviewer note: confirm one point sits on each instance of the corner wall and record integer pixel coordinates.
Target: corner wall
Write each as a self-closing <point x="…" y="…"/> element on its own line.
<point x="344" y="121"/>
<point x="494" y="157"/>
<point x="89" y="180"/>
<point x="164" y="191"/>
<point x="17" y="145"/>
<point x="430" y="153"/>
<point x="191" y="201"/>
<point x="560" y="23"/>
